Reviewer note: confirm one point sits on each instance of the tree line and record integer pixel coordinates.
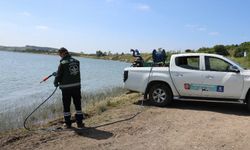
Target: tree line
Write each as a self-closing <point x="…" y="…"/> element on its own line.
<point x="227" y="50"/>
<point x="234" y="50"/>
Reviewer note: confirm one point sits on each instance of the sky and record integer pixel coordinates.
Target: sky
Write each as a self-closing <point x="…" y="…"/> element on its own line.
<point x="119" y="25"/>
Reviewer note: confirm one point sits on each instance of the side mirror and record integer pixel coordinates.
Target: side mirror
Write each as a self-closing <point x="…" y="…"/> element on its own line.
<point x="233" y="69"/>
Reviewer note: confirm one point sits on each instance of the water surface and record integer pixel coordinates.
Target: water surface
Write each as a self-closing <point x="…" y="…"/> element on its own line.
<point x="21" y="73"/>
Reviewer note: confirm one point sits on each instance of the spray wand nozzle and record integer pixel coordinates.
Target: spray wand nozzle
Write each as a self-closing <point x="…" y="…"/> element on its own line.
<point x="46" y="78"/>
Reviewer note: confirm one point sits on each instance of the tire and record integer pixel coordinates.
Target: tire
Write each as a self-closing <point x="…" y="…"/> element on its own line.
<point x="248" y="102"/>
<point x="160" y="95"/>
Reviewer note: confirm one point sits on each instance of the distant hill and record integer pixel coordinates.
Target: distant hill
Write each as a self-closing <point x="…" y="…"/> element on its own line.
<point x="29" y="48"/>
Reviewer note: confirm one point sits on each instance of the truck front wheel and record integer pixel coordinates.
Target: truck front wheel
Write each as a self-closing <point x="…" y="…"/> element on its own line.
<point x="160" y="95"/>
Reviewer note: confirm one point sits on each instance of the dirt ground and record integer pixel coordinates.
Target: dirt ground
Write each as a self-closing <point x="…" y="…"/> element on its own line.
<point x="186" y="125"/>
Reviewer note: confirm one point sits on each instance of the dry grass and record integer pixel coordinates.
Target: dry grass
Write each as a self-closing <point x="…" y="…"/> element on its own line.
<point x="97" y="107"/>
<point x="93" y="103"/>
<point x="100" y="111"/>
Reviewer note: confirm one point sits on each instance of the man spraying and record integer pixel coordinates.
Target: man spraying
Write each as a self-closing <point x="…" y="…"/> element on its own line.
<point x="69" y="81"/>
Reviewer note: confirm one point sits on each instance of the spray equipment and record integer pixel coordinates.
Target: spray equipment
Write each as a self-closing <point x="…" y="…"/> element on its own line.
<point x="138" y="62"/>
<point x="46" y="78"/>
<point x="159" y="57"/>
<point x="25" y="120"/>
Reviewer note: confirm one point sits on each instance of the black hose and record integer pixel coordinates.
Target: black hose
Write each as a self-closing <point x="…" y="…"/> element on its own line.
<point x="24" y="123"/>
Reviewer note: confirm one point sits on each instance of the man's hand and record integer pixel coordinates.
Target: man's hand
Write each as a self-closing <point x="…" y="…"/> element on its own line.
<point x="54" y="74"/>
<point x="56" y="84"/>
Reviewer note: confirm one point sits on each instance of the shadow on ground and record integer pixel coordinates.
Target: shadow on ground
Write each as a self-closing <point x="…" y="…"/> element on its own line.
<point x="93" y="133"/>
<point x="220" y="107"/>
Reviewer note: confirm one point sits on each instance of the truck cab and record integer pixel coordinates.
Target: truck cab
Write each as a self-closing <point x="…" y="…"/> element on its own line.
<point x="206" y="75"/>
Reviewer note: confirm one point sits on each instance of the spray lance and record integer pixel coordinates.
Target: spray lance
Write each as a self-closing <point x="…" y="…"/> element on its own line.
<point x="54" y="74"/>
<point x="45" y="79"/>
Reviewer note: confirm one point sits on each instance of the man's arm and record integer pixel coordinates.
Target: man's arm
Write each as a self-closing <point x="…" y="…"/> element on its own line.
<point x="59" y="74"/>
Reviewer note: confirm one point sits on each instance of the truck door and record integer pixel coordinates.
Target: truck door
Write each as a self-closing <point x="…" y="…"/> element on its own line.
<point x="219" y="82"/>
<point x="187" y="75"/>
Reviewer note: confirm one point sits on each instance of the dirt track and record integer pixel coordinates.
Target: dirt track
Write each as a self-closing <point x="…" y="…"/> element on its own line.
<point x="185" y="125"/>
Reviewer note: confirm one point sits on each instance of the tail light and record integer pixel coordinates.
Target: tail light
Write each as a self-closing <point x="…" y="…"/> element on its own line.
<point x="125" y="76"/>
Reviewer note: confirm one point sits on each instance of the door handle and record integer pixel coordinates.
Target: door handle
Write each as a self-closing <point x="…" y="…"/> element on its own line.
<point x="179" y="75"/>
<point x="209" y="77"/>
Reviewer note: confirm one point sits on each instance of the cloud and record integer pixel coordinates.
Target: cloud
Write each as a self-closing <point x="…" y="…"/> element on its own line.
<point x="25" y="13"/>
<point x="143" y="7"/>
<point x="196" y="27"/>
<point x="214" y="33"/>
<point x="202" y="29"/>
<point x="42" y="27"/>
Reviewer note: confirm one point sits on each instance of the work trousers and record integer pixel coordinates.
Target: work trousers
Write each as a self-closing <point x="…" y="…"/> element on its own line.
<point x="67" y="94"/>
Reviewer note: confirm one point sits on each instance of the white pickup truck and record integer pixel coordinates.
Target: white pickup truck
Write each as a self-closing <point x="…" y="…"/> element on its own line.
<point x="191" y="76"/>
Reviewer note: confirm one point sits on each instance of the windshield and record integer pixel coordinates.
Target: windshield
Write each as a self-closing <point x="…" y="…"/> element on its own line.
<point x="234" y="63"/>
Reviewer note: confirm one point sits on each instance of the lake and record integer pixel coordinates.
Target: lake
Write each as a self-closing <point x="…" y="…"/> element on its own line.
<point x="21" y="73"/>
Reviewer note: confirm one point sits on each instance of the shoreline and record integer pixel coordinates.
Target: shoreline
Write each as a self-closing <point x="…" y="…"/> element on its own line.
<point x="53" y="109"/>
<point x="128" y="58"/>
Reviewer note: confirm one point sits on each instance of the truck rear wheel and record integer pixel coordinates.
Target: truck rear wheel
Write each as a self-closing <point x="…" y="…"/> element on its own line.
<point x="248" y="102"/>
<point x="160" y="95"/>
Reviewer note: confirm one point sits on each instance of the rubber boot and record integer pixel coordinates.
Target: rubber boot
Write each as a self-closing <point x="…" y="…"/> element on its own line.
<point x="67" y="120"/>
<point x="79" y="118"/>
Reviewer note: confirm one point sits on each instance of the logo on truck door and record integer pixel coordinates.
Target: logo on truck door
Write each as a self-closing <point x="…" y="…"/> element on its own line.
<point x="220" y="88"/>
<point x="204" y="87"/>
<point x="186" y="86"/>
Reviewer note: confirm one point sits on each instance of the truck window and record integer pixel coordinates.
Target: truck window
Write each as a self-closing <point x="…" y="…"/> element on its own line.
<point x="216" y="64"/>
<point x="188" y="62"/>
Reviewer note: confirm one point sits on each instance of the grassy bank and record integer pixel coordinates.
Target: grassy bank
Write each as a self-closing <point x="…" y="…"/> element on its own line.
<point x="243" y="61"/>
<point x="92" y="103"/>
<point x="119" y="57"/>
